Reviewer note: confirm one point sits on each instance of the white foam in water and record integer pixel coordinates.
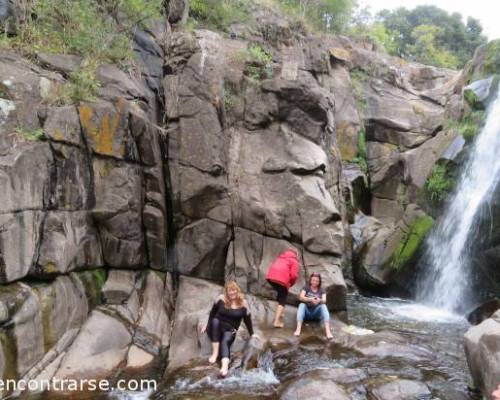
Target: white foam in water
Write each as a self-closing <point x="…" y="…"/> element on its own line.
<point x="259" y="377"/>
<point x="424" y="313"/>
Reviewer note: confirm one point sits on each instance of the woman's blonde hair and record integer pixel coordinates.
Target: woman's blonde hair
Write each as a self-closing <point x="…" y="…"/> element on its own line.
<point x="240" y="298"/>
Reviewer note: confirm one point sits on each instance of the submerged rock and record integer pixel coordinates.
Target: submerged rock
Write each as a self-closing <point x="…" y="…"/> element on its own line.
<point x="400" y="389"/>
<point x="316" y="384"/>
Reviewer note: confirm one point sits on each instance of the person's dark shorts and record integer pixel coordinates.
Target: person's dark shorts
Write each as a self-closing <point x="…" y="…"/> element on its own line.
<point x="282" y="292"/>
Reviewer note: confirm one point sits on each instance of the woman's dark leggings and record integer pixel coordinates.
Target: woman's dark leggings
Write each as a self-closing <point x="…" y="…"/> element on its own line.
<point x="218" y="333"/>
<point x="281" y="292"/>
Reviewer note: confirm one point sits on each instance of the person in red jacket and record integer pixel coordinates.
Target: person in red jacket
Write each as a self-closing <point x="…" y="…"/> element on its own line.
<point x="282" y="274"/>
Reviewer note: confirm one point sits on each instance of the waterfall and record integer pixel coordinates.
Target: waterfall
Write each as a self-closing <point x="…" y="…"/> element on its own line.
<point x="448" y="246"/>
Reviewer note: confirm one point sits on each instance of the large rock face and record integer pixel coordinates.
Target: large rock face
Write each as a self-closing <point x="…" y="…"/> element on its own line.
<point x="199" y="167"/>
<point x="482" y="347"/>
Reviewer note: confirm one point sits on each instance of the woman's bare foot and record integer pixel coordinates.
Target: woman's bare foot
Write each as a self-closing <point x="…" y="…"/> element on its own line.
<point x="278" y="325"/>
<point x="296" y="333"/>
<point x="329" y="337"/>
<point x="224" y="367"/>
<point x="212" y="359"/>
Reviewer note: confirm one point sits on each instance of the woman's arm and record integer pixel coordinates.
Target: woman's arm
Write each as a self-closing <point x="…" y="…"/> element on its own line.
<point x="323" y="298"/>
<point x="212" y="313"/>
<point x="303" y="298"/>
<point x="247" y="319"/>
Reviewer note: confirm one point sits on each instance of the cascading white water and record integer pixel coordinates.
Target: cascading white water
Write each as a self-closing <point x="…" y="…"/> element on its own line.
<point x="447" y="248"/>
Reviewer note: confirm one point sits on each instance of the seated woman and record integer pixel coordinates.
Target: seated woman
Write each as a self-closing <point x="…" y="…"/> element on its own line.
<point x="313" y="305"/>
<point x="223" y="323"/>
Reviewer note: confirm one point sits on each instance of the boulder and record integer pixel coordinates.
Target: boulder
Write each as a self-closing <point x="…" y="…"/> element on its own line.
<point x="400" y="389"/>
<point x="316" y="384"/>
<point x="480" y="92"/>
<point x="95" y="353"/>
<point x="62" y="63"/>
<point x="482" y="348"/>
<point x="483" y="311"/>
<point x="383" y="252"/>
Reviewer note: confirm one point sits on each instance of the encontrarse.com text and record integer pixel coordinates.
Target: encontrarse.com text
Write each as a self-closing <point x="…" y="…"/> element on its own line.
<point x="74" y="385"/>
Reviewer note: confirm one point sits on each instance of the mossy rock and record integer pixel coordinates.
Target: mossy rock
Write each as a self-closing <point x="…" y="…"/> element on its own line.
<point x="411" y="242"/>
<point x="492" y="58"/>
<point x="93" y="281"/>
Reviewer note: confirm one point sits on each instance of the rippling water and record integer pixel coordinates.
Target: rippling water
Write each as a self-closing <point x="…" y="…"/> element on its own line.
<point x="439" y="331"/>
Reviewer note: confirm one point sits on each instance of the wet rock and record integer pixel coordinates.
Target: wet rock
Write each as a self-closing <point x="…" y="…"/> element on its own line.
<point x="401" y="389"/>
<point x="482" y="348"/>
<point x="95" y="353"/>
<point x="454" y="149"/>
<point x="382" y="252"/>
<point x="478" y="93"/>
<point x="119" y="286"/>
<point x="484" y="311"/>
<point x="318" y="385"/>
<point x="418" y="163"/>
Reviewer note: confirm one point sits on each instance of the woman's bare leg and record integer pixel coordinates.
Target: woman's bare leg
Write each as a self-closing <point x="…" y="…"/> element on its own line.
<point x="278" y="317"/>
<point x="224" y="366"/>
<point x="215" y="353"/>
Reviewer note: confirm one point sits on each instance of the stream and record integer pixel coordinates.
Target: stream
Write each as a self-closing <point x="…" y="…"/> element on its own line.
<point x="440" y="331"/>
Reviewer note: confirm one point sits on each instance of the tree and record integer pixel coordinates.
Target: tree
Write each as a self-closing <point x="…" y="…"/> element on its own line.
<point x="452" y="40"/>
<point x="326" y="15"/>
<point x="425" y="49"/>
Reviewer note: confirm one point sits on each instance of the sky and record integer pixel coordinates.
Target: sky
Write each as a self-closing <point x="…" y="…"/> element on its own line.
<point x="486" y="11"/>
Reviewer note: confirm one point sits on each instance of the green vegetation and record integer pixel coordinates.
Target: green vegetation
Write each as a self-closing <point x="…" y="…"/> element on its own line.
<point x="492" y="58"/>
<point x="258" y="63"/>
<point x="98" y="31"/>
<point x="31" y="135"/>
<point x="426" y="34"/>
<point x="218" y="14"/>
<point x="359" y="80"/>
<point x="322" y="15"/>
<point x="360" y="158"/>
<point x="438" y="184"/>
<point x="469" y="125"/>
<point x="409" y="245"/>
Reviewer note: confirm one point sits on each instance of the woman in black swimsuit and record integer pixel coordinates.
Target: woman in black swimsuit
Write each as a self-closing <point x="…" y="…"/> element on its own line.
<point x="223" y="323"/>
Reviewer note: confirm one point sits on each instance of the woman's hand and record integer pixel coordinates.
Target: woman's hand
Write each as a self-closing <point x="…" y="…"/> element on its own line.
<point x="202" y="328"/>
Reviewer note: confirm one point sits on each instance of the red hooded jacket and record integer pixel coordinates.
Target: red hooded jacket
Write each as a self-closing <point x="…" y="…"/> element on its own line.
<point x="285" y="269"/>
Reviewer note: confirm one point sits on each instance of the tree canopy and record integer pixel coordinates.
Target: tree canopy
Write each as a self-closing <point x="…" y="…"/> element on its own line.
<point x="430" y="35"/>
